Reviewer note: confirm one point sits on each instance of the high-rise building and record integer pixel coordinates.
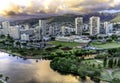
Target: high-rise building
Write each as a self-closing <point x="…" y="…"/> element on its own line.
<point x="42" y="28"/>
<point x="94" y="25"/>
<point x="63" y="30"/>
<point x="14" y="32"/>
<point x="108" y="27"/>
<point x="5" y="26"/>
<point x="79" y="25"/>
<point x="26" y="27"/>
<point x="51" y="31"/>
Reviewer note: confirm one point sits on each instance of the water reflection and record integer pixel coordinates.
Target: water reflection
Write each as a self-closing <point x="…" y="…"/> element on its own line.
<point x="32" y="71"/>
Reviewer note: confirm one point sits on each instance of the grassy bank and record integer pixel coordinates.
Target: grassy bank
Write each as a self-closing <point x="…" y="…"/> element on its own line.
<point x="31" y="53"/>
<point x="107" y="45"/>
<point x="1" y="81"/>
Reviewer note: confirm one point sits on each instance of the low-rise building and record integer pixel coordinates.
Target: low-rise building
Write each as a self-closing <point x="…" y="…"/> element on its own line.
<point x="25" y="37"/>
<point x="78" y="39"/>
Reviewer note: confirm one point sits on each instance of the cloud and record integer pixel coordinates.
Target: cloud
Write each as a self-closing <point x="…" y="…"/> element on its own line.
<point x="13" y="7"/>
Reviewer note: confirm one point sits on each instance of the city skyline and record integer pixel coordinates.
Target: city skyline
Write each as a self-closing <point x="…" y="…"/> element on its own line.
<point x="60" y="41"/>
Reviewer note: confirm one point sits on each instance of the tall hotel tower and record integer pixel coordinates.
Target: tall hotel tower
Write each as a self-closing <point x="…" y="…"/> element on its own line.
<point x="94" y="25"/>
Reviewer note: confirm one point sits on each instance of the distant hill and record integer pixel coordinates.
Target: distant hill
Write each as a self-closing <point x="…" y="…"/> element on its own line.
<point x="71" y="17"/>
<point x="116" y="19"/>
<point x="65" y="18"/>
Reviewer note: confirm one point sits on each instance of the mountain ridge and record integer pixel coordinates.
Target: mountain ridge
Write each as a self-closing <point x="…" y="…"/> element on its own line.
<point x="62" y="18"/>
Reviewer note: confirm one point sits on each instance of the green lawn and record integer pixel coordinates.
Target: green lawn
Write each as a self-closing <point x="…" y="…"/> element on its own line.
<point x="116" y="74"/>
<point x="105" y="75"/>
<point x="106" y="46"/>
<point x="95" y="62"/>
<point x="70" y="44"/>
<point x="1" y="81"/>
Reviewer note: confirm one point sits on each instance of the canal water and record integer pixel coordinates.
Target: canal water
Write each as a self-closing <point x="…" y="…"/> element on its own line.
<point x="20" y="70"/>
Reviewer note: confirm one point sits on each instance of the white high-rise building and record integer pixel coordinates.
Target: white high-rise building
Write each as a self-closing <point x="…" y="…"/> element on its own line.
<point x="108" y="27"/>
<point x="79" y="25"/>
<point x="51" y="31"/>
<point x="26" y="27"/>
<point x="5" y="26"/>
<point x="42" y="25"/>
<point x="42" y="28"/>
<point x="14" y="32"/>
<point x="94" y="25"/>
<point x="63" y="30"/>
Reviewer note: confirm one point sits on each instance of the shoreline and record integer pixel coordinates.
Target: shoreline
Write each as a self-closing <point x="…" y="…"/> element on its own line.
<point x="19" y="55"/>
<point x="3" y="81"/>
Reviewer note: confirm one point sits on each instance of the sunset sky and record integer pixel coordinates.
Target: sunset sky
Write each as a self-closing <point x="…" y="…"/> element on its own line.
<point x="35" y="7"/>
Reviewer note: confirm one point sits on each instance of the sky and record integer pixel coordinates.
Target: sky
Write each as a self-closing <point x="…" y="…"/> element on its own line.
<point x="36" y="7"/>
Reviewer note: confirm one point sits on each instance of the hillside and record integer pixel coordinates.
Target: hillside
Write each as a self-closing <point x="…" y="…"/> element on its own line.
<point x="116" y="19"/>
<point x="68" y="18"/>
<point x="71" y="17"/>
<point x="63" y="18"/>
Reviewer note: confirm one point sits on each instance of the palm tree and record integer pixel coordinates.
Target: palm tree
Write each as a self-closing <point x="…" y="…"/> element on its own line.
<point x="6" y="78"/>
<point x="1" y="75"/>
<point x="18" y="43"/>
